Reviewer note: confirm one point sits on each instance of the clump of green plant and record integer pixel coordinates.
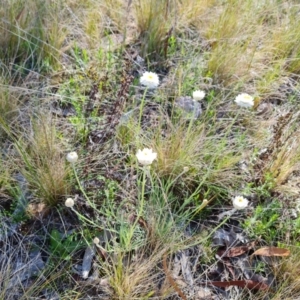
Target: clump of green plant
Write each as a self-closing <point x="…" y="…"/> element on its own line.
<point x="63" y="247"/>
<point x="265" y="222"/>
<point x="262" y="190"/>
<point x="109" y="190"/>
<point x="73" y="95"/>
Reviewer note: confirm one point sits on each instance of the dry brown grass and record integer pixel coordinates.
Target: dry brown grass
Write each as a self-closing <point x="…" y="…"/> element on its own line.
<point x="284" y="150"/>
<point x="32" y="31"/>
<point x="286" y="271"/>
<point x="9" y="107"/>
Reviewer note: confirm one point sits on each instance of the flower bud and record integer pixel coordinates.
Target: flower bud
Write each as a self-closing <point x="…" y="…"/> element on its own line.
<point x="72" y="157"/>
<point x="69" y="202"/>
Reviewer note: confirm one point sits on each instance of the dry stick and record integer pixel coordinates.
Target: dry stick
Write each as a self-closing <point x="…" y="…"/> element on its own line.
<point x="171" y="280"/>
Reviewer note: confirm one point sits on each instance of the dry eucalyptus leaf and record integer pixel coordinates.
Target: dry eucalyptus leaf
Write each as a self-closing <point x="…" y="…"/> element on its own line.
<point x="272" y="251"/>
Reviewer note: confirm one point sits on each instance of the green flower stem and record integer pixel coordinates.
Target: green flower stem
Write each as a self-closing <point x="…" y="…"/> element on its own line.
<point x="202" y="205"/>
<point x="82" y="217"/>
<point x="141" y="110"/>
<point x="141" y="204"/>
<point x="142" y="197"/>
<point x="81" y="188"/>
<point x="143" y="190"/>
<point x="192" y="121"/>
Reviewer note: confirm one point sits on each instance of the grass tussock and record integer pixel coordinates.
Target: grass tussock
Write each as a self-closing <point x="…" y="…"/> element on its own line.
<point x="155" y="20"/>
<point x="43" y="163"/>
<point x="184" y="148"/>
<point x="31" y="34"/>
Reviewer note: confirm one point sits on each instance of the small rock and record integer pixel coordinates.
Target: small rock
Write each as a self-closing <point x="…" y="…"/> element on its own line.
<point x="190" y="108"/>
<point x="203" y="293"/>
<point x="87" y="261"/>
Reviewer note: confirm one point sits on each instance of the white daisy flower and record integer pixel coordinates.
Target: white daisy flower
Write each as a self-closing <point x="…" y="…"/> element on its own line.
<point x="150" y="80"/>
<point x="240" y="202"/>
<point x="244" y="100"/>
<point x="146" y="156"/>
<point x="198" y="95"/>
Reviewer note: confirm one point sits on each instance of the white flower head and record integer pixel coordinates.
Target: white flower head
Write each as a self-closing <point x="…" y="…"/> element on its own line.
<point x="72" y="157"/>
<point x="150" y="80"/>
<point x="244" y="100"/>
<point x="186" y="169"/>
<point x="69" y="202"/>
<point x="146" y="156"/>
<point x="239" y="202"/>
<point x="198" y="95"/>
<point x="96" y="241"/>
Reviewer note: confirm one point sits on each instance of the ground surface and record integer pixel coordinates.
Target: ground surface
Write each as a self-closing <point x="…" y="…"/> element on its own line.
<point x="70" y="81"/>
